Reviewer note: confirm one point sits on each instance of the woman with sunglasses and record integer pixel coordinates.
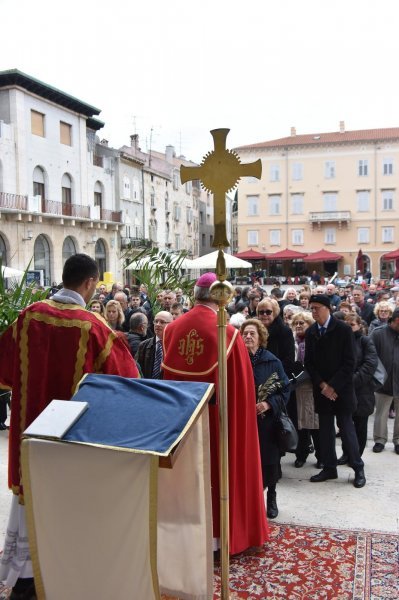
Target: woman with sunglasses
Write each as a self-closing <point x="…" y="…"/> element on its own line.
<point x="308" y="421"/>
<point x="281" y="341"/>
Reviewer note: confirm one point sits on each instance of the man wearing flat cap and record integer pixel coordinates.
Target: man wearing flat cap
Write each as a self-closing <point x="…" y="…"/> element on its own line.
<point x="191" y="354"/>
<point x="330" y="361"/>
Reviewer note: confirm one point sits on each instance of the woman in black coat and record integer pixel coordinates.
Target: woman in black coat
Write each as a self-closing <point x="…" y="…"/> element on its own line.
<point x="281" y="341"/>
<point x="264" y="364"/>
<point x="366" y="360"/>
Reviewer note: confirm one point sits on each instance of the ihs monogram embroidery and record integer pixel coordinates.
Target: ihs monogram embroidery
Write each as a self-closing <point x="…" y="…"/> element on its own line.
<point x="190" y="346"/>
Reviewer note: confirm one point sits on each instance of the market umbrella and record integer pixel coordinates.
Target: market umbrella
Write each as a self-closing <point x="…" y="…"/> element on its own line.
<point x="208" y="261"/>
<point x="323" y="256"/>
<point x="8" y="272"/>
<point x="286" y="254"/>
<point x="393" y="255"/>
<point x="250" y="255"/>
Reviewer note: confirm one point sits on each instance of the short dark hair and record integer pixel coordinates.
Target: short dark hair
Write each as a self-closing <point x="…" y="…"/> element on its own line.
<point x="77" y="269"/>
<point x="276" y="292"/>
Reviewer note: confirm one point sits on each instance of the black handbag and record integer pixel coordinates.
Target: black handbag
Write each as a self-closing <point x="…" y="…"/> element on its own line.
<point x="286" y="434"/>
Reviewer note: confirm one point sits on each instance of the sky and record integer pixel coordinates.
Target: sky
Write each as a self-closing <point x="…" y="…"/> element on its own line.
<point x="172" y="70"/>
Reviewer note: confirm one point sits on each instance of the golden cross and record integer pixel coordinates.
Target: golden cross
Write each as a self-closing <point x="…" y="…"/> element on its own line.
<point x="219" y="172"/>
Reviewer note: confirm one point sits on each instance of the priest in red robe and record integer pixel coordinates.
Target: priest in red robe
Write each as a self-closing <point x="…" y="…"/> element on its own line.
<point x="190" y="354"/>
<point x="43" y="356"/>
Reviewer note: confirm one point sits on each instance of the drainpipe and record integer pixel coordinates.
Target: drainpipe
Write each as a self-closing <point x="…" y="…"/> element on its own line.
<point x="376" y="206"/>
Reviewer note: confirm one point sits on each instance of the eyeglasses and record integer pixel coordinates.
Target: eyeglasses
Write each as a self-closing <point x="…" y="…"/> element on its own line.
<point x="160" y="322"/>
<point x="267" y="312"/>
<point x="299" y="323"/>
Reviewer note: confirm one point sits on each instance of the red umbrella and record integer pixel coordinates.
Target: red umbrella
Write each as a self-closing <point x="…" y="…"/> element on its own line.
<point x="323" y="256"/>
<point x="286" y="255"/>
<point x="393" y="255"/>
<point x="250" y="255"/>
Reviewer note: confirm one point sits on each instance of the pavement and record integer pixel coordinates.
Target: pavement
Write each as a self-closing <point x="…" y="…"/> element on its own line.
<point x="335" y="503"/>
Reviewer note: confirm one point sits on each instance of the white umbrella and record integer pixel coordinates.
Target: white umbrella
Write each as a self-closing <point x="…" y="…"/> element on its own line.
<point x="8" y="272"/>
<point x="208" y="261"/>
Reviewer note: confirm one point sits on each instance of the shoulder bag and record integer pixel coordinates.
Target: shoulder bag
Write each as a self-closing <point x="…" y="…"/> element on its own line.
<point x="286" y="434"/>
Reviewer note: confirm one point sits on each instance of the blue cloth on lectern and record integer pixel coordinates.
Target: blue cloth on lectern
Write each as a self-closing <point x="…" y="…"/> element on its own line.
<point x="139" y="414"/>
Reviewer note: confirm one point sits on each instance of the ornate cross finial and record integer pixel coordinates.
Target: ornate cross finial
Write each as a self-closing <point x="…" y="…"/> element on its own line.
<point x="219" y="172"/>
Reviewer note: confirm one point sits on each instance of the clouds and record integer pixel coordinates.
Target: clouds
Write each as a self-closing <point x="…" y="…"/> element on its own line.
<point x="185" y="67"/>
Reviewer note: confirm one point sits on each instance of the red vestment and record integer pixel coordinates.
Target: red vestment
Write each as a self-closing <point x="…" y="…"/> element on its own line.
<point x="190" y="354"/>
<point x="43" y="356"/>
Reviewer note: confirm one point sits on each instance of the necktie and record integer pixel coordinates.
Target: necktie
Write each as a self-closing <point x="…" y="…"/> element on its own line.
<point x="322" y="330"/>
<point x="156" y="369"/>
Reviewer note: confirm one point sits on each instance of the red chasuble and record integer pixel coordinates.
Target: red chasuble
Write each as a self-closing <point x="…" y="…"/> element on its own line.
<point x="190" y="354"/>
<point x="43" y="356"/>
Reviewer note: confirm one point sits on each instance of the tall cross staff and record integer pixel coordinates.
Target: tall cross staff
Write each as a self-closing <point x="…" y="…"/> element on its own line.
<point x="219" y="173"/>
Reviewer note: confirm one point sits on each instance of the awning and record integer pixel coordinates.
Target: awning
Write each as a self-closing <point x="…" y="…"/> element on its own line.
<point x="250" y="255"/>
<point x="323" y="256"/>
<point x="393" y="255"/>
<point x="286" y="254"/>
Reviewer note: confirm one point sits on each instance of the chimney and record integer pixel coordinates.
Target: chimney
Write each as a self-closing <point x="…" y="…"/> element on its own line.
<point x="170" y="153"/>
<point x="104" y="142"/>
<point x="134" y="141"/>
<point x="293" y="131"/>
<point x="342" y="126"/>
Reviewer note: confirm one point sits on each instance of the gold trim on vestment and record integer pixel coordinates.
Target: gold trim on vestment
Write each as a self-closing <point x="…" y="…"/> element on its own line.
<point x="212" y="368"/>
<point x="30" y="522"/>
<point x="105" y="352"/>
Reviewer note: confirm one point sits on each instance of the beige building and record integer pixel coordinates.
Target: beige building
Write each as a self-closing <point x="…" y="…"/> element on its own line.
<point x="334" y="191"/>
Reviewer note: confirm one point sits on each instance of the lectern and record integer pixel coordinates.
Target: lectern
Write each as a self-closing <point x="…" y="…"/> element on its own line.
<point x="104" y="520"/>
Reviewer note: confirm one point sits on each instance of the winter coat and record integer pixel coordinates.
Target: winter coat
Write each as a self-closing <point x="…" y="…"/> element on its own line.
<point x="331" y="358"/>
<point x="266" y="365"/>
<point x="365" y="366"/>
<point x="386" y="341"/>
<point x="281" y="344"/>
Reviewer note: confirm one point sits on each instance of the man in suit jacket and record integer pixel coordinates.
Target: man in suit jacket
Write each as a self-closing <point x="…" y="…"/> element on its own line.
<point x="366" y="310"/>
<point x="330" y="361"/>
<point x="149" y="353"/>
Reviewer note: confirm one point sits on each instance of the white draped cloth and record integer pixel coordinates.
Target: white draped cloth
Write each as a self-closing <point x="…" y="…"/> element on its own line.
<point x="15" y="561"/>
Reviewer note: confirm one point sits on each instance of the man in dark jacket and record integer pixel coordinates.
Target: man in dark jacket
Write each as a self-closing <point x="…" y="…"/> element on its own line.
<point x="386" y="340"/>
<point x="149" y="354"/>
<point x="366" y="310"/>
<point x="138" y="331"/>
<point x="330" y="361"/>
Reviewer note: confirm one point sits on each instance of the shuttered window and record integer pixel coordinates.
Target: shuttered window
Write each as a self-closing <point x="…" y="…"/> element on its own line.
<point x="65" y="133"/>
<point x="37" y="123"/>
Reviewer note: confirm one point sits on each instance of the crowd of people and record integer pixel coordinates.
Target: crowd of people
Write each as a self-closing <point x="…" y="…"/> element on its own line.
<point x="313" y="350"/>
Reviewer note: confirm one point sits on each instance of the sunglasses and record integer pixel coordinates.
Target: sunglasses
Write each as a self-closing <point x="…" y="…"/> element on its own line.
<point x="265" y="312"/>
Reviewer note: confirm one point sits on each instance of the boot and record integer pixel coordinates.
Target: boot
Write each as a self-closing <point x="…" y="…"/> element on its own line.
<point x="272" y="509"/>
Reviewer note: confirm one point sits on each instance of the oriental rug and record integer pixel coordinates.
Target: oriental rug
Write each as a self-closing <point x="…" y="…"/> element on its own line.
<point x="313" y="563"/>
<point x="316" y="563"/>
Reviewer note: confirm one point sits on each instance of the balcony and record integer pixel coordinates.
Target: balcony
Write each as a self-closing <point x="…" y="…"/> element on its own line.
<point x="330" y="216"/>
<point x="13" y="201"/>
<point x="65" y="209"/>
<point x="111" y="215"/>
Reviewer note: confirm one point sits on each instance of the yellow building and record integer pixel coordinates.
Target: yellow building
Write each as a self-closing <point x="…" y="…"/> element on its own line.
<point x="335" y="191"/>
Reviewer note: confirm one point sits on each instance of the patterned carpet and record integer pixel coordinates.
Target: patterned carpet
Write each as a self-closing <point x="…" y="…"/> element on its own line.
<point x="314" y="563"/>
<point x="309" y="563"/>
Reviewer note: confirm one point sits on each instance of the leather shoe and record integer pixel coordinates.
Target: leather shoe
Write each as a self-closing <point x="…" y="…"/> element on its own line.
<point x="299" y="463"/>
<point x="378" y="447"/>
<point x="324" y="475"/>
<point x="360" y="479"/>
<point x="397" y="448"/>
<point x="343" y="460"/>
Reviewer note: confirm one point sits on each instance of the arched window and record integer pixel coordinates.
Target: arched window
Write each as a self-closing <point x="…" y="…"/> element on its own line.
<point x="38" y="186"/>
<point x="41" y="257"/>
<point x="100" y="256"/>
<point x="68" y="249"/>
<point x="66" y="189"/>
<point x="3" y="251"/>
